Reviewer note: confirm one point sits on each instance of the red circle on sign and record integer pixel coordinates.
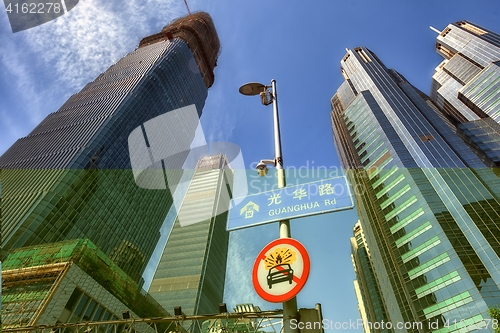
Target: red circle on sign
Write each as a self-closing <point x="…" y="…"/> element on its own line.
<point x="299" y="282"/>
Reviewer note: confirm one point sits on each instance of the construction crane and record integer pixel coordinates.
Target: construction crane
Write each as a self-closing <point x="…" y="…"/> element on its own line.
<point x="185" y="2"/>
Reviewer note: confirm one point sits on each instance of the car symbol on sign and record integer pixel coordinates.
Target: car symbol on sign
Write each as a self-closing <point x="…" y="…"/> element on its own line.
<point x="279" y="273"/>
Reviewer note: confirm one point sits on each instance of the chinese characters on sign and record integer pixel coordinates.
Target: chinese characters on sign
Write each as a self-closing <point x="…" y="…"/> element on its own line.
<point x="275" y="199"/>
<point x="291" y="202"/>
<point x="325" y="189"/>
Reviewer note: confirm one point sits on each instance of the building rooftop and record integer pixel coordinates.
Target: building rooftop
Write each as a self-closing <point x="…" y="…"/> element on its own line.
<point x="198" y="32"/>
<point x="30" y="273"/>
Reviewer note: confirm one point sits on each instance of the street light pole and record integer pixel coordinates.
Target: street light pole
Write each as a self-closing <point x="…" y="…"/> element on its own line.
<point x="290" y="306"/>
<point x="285" y="224"/>
<point x="251" y="89"/>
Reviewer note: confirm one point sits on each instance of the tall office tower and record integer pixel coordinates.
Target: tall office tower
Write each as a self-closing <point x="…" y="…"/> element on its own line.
<point x="72" y="177"/>
<point x="370" y="303"/>
<point x="192" y="268"/>
<point x="466" y="86"/>
<point x="430" y="220"/>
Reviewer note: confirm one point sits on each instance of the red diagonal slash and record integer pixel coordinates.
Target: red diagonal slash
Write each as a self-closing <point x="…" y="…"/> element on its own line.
<point x="294" y="278"/>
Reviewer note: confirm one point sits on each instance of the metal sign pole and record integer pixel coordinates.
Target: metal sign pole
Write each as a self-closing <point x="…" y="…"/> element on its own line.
<point x="290" y="306"/>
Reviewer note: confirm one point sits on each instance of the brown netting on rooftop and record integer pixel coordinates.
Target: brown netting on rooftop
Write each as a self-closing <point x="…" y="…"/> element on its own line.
<point x="198" y="32"/>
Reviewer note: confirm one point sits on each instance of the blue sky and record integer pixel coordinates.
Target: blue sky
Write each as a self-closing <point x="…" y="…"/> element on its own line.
<point x="298" y="43"/>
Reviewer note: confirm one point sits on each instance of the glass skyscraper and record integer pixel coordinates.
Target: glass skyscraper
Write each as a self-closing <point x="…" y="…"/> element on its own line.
<point x="192" y="269"/>
<point x="428" y="206"/>
<point x="371" y="306"/>
<point x="72" y="177"/>
<point x="466" y="86"/>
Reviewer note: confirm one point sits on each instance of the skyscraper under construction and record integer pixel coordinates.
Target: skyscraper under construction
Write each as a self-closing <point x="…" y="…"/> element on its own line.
<point x="96" y="167"/>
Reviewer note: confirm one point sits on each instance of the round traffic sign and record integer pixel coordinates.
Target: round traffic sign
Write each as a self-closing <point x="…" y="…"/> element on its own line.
<point x="281" y="270"/>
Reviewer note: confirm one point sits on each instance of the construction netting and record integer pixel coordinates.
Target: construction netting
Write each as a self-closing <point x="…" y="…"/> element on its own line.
<point x="30" y="273"/>
<point x="198" y="32"/>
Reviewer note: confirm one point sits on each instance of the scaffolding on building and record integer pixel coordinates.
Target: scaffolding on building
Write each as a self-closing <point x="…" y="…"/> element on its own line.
<point x="245" y="322"/>
<point x="31" y="274"/>
<point x="27" y="287"/>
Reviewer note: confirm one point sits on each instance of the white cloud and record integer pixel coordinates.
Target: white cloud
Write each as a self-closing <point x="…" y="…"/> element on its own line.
<point x="47" y="63"/>
<point x="219" y="123"/>
<point x="94" y="35"/>
<point x="17" y="71"/>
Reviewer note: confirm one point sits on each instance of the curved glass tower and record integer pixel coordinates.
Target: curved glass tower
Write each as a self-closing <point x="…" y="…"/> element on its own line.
<point x="72" y="177"/>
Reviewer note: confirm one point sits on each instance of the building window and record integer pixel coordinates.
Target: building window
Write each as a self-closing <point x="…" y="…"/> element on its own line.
<point x="80" y="307"/>
<point x="445" y="51"/>
<point x="445" y="32"/>
<point x="344" y="74"/>
<point x="426" y="138"/>
<point x="472" y="28"/>
<point x="349" y="64"/>
<point x="362" y="54"/>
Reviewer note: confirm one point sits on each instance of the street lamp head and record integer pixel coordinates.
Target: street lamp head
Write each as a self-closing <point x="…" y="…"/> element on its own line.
<point x="252" y="88"/>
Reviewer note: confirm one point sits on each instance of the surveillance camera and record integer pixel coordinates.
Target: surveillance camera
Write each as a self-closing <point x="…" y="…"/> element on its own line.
<point x="262" y="169"/>
<point x="266" y="97"/>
